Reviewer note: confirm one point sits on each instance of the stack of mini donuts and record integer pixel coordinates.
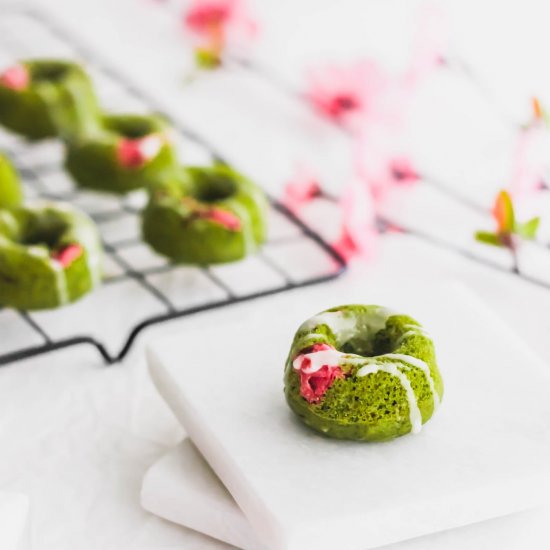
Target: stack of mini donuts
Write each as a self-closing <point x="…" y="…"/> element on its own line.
<point x="50" y="252"/>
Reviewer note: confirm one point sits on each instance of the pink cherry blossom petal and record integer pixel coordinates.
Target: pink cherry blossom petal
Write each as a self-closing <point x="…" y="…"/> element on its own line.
<point x="430" y="43"/>
<point x="403" y="170"/>
<point x="15" y="78"/>
<point x="301" y="189"/>
<point x="380" y="161"/>
<point x="531" y="160"/>
<point x="347" y="94"/>
<point x="216" y="24"/>
<point x="359" y="235"/>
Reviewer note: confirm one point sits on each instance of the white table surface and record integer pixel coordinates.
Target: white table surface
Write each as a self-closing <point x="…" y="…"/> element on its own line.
<point x="77" y="437"/>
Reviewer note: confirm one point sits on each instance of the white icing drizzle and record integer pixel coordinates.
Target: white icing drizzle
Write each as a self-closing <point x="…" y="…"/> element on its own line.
<point x="423" y="366"/>
<point x="414" y="330"/>
<point x="393" y="369"/>
<point x="345" y="324"/>
<point x="38" y="252"/>
<point x="312" y="335"/>
<point x="93" y="263"/>
<point x="329" y="357"/>
<point x="247" y="229"/>
<point x="60" y="281"/>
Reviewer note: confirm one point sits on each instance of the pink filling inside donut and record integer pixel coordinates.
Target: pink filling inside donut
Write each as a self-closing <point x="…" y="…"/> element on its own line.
<point x="223" y="217"/>
<point x="15" y="78"/>
<point x="66" y="256"/>
<point x="314" y="385"/>
<point x="134" y="153"/>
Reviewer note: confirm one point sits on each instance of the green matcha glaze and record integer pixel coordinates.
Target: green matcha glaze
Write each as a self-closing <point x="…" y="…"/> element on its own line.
<point x="206" y="216"/>
<point x="375" y="406"/>
<point x="94" y="160"/>
<point x="31" y="275"/>
<point x="11" y="192"/>
<point x="58" y="101"/>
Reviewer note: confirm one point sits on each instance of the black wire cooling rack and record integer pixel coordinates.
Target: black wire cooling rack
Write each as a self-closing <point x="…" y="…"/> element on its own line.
<point x="140" y="288"/>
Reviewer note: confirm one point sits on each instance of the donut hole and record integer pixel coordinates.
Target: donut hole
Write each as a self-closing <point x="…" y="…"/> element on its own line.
<point x="369" y="346"/>
<point x="211" y="188"/>
<point x="50" y="72"/>
<point x="130" y="127"/>
<point x="42" y="231"/>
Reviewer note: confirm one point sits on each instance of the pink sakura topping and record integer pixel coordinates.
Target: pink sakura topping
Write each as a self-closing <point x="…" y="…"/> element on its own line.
<point x="15" y="78"/>
<point x="314" y="384"/>
<point x="301" y="189"/>
<point x="134" y="153"/>
<point x="347" y="94"/>
<point x="222" y="217"/>
<point x="216" y="23"/>
<point x="66" y="256"/>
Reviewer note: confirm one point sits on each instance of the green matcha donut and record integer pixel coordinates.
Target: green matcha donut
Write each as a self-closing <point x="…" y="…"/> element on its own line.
<point x="11" y="192"/>
<point x="44" y="99"/>
<point x="206" y="216"/>
<point x="50" y="255"/>
<point x="364" y="373"/>
<point x="129" y="152"/>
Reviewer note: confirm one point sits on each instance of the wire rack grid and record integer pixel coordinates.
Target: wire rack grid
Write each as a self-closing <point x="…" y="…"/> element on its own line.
<point x="140" y="288"/>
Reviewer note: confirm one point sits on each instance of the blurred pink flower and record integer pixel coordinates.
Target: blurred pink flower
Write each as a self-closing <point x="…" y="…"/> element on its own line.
<point x="347" y="94"/>
<point x="430" y="43"/>
<point x="216" y="25"/>
<point x="359" y="233"/>
<point x="363" y="92"/>
<point x="300" y="189"/>
<point x="381" y="163"/>
<point x="531" y="155"/>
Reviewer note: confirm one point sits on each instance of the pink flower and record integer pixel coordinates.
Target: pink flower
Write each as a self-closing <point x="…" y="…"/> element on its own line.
<point x="347" y="94"/>
<point x="217" y="24"/>
<point x="531" y="155"/>
<point x="66" y="256"/>
<point x="430" y="43"/>
<point x="134" y="153"/>
<point x="380" y="162"/>
<point x="358" y="237"/>
<point x="15" y="78"/>
<point x="300" y="189"/>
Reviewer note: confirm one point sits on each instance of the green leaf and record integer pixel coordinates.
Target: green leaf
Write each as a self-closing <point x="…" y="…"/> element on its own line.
<point x="486" y="237"/>
<point x="528" y="230"/>
<point x="503" y="211"/>
<point x="207" y="59"/>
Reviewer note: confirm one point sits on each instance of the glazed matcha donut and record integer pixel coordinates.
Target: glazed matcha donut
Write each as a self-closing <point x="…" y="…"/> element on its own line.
<point x="44" y="99"/>
<point x="50" y="255"/>
<point x="206" y="216"/>
<point x="129" y="152"/>
<point x="11" y="192"/>
<point x="364" y="373"/>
